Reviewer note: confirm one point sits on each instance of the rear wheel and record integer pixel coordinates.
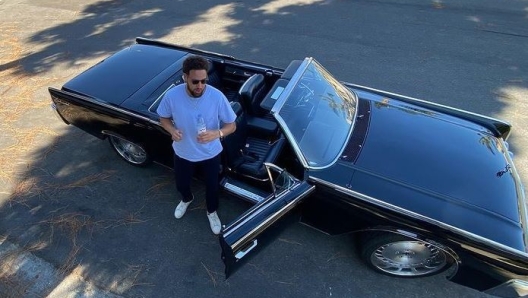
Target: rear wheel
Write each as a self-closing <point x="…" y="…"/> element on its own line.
<point x="397" y="255"/>
<point x="133" y="153"/>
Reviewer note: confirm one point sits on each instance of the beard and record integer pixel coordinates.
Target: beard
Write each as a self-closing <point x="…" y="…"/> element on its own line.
<point x="194" y="94"/>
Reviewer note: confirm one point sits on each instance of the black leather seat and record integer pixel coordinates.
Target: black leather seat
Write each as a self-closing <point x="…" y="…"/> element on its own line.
<point x="252" y="93"/>
<point x="213" y="78"/>
<point x="259" y="152"/>
<point x="246" y="154"/>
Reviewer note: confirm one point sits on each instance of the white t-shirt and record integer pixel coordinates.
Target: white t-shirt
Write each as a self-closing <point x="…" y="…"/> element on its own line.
<point x="185" y="110"/>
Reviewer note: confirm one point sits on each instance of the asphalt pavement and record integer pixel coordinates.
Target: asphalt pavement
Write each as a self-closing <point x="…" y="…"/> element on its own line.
<point x="76" y="221"/>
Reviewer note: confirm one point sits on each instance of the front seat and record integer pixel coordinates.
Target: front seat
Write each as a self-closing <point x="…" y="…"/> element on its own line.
<point x="252" y="93"/>
<point x="246" y="155"/>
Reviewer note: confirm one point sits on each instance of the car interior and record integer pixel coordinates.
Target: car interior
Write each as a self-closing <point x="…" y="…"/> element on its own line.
<point x="258" y="138"/>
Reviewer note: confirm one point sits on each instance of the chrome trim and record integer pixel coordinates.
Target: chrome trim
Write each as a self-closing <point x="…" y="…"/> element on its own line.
<point x="415" y="215"/>
<point x="422" y="101"/>
<point x="271" y="165"/>
<point x="266" y="201"/>
<point x="271" y="219"/>
<point x="434" y="104"/>
<point x="235" y="225"/>
<point x="242" y="192"/>
<point x="291" y="140"/>
<point x="289" y="87"/>
<point x="516" y="284"/>
<point x="116" y="135"/>
<point x="352" y="125"/>
<point x="59" y="101"/>
<point x="113" y="134"/>
<point x="111" y="107"/>
<point x="282" y="100"/>
<point x="242" y="253"/>
<point x="519" y="188"/>
<point x="160" y="97"/>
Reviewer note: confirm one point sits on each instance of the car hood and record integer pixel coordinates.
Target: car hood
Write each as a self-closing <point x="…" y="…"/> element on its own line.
<point x="439" y="166"/>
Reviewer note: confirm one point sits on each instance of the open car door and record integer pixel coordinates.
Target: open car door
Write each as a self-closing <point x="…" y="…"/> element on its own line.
<point x="248" y="231"/>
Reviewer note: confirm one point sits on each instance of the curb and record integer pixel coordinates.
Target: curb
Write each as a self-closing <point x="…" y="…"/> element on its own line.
<point x="22" y="274"/>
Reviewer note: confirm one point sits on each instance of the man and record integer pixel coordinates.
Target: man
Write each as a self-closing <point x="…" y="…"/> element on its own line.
<point x="197" y="116"/>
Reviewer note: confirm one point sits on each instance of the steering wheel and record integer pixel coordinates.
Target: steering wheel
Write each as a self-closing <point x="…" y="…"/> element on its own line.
<point x="307" y="94"/>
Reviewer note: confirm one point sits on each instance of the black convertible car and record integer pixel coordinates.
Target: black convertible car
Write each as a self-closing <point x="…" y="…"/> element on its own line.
<point x="422" y="187"/>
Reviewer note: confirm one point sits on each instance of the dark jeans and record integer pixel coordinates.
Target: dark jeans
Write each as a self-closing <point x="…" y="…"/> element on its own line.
<point x="183" y="173"/>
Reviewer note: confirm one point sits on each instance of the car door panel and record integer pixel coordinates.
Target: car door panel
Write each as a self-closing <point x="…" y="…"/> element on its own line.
<point x="253" y="228"/>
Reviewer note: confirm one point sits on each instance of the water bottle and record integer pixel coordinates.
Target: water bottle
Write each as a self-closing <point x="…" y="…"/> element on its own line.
<point x="200" y="124"/>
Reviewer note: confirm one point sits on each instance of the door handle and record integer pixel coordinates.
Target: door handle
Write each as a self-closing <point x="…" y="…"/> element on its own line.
<point x="243" y="252"/>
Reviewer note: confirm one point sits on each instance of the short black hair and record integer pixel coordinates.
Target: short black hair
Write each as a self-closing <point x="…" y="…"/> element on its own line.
<point x="195" y="63"/>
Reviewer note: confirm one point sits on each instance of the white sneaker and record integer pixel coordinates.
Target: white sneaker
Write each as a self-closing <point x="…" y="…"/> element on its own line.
<point x="215" y="223"/>
<point x="181" y="208"/>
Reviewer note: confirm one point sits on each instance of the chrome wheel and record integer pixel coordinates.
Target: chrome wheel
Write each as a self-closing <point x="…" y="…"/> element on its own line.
<point x="129" y="151"/>
<point x="396" y="255"/>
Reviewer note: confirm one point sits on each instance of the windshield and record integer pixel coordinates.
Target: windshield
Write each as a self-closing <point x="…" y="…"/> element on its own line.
<point x="318" y="114"/>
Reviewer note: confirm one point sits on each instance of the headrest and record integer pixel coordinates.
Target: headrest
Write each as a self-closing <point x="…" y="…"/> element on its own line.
<point x="291" y="69"/>
<point x="251" y="85"/>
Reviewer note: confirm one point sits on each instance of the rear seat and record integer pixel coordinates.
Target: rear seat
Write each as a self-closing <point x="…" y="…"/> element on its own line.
<point x="213" y="78"/>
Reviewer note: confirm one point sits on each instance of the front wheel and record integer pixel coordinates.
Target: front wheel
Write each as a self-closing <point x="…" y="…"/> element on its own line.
<point x="397" y="255"/>
<point x="131" y="152"/>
